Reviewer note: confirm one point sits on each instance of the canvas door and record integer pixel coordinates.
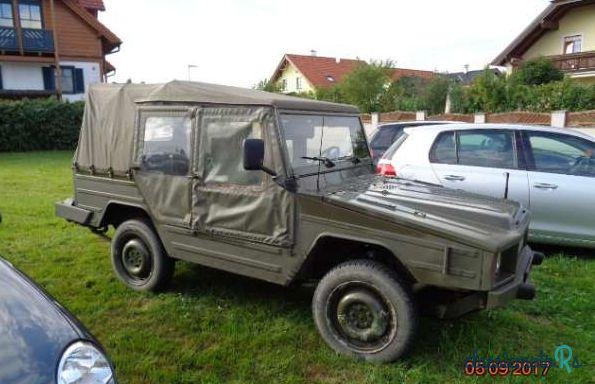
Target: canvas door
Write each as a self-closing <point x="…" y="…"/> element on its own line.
<point x="229" y="201"/>
<point x="163" y="161"/>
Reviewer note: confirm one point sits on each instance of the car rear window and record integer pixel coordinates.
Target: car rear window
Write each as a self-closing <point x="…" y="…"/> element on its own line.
<point x="390" y="152"/>
<point x="385" y="137"/>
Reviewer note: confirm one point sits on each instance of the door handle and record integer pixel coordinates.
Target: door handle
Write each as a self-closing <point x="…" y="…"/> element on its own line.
<point x="545" y="186"/>
<point x="454" y="178"/>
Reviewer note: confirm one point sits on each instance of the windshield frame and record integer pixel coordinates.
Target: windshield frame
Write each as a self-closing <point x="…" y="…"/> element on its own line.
<point x="314" y="169"/>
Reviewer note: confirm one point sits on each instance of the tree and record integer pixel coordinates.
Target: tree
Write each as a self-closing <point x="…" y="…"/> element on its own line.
<point x="268" y="86"/>
<point x="406" y="94"/>
<point x="333" y="94"/>
<point x="537" y="72"/>
<point x="489" y="93"/>
<point x="435" y="94"/>
<point x="366" y="85"/>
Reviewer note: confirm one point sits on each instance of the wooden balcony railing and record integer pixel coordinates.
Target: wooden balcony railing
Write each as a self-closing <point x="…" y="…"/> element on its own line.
<point x="8" y="39"/>
<point x="32" y="40"/>
<point x="38" y="40"/>
<point x="574" y="62"/>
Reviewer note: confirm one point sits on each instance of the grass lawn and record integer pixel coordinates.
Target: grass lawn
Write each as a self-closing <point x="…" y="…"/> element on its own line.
<point x="216" y="327"/>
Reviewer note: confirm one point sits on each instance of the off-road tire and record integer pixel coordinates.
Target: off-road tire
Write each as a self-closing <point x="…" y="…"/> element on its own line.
<point x="158" y="267"/>
<point x="378" y="285"/>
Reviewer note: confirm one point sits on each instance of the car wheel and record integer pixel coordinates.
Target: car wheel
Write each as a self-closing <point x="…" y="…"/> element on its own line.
<point x="138" y="257"/>
<point x="362" y="310"/>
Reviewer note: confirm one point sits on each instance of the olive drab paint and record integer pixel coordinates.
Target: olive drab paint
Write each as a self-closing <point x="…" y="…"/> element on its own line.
<point x="182" y="170"/>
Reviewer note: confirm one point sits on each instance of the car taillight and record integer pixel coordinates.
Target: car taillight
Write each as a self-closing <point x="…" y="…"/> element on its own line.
<point x="386" y="169"/>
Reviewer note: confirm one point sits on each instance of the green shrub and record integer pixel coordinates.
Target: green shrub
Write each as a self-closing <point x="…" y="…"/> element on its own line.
<point x="537" y="72"/>
<point x="44" y="124"/>
<point x="493" y="94"/>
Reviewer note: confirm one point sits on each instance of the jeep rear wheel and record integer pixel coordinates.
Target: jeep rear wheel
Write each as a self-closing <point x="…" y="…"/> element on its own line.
<point x="138" y="257"/>
<point x="362" y="310"/>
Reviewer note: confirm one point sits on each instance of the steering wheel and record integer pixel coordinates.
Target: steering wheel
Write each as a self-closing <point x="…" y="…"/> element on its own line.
<point x="332" y="152"/>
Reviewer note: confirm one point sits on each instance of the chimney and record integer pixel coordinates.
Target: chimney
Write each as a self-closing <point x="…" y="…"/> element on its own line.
<point x="466" y="68"/>
<point x="313" y="52"/>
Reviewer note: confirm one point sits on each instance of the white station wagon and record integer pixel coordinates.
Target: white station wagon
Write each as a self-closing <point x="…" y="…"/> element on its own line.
<point x="549" y="170"/>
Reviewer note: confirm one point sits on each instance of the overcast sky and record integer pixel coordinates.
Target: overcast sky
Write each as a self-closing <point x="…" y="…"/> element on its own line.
<point x="239" y="42"/>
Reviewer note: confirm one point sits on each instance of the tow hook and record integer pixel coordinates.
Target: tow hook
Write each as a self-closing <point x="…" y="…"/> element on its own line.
<point x="526" y="292"/>
<point x="538" y="258"/>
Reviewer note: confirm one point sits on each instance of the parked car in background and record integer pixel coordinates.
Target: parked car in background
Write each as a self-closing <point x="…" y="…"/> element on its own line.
<point x="40" y="341"/>
<point x="387" y="134"/>
<point x="550" y="170"/>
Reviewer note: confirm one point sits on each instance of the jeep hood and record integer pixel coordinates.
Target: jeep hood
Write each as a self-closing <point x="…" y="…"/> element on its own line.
<point x="488" y="223"/>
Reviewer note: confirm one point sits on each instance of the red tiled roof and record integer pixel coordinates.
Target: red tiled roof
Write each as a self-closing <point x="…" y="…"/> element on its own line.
<point x="398" y="73"/>
<point x="92" y="4"/>
<point x="320" y="71"/>
<point x="325" y="72"/>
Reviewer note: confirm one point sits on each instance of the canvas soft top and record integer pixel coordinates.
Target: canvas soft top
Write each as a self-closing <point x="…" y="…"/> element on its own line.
<point x="204" y="93"/>
<point x="107" y="132"/>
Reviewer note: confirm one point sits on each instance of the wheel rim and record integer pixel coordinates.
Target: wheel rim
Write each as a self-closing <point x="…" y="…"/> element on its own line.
<point x="360" y="317"/>
<point x="136" y="260"/>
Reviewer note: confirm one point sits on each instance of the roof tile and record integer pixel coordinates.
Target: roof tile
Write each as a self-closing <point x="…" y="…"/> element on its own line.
<point x="324" y="72"/>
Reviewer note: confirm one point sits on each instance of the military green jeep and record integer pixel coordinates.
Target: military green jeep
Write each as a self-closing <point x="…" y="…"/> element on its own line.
<point x="283" y="189"/>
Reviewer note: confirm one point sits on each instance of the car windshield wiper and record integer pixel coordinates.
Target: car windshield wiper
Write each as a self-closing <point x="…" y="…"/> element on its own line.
<point x="354" y="159"/>
<point x="324" y="160"/>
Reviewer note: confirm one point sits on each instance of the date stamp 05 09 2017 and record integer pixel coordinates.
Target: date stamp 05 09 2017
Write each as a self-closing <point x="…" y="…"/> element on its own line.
<point x="505" y="365"/>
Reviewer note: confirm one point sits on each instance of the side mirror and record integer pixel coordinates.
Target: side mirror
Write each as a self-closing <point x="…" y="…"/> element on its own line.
<point x="254" y="156"/>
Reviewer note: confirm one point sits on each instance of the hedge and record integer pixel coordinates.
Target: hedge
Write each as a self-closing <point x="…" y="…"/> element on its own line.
<point x="41" y="124"/>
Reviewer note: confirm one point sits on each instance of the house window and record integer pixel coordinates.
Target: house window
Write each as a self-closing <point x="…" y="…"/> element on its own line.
<point x="30" y="14"/>
<point x="284" y="84"/>
<point x="298" y="83"/>
<point x="6" y="19"/>
<point x="72" y="79"/>
<point x="573" y="44"/>
<point x="67" y="80"/>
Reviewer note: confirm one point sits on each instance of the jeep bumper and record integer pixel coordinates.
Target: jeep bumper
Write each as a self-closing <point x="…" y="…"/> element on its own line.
<point x="519" y="287"/>
<point x="516" y="287"/>
<point x="67" y="210"/>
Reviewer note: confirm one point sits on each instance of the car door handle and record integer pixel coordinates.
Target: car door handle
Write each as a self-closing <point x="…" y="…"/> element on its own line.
<point x="454" y="178"/>
<point x="545" y="186"/>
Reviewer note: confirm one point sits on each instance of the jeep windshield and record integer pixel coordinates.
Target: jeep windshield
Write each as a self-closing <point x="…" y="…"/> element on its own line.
<point x="324" y="142"/>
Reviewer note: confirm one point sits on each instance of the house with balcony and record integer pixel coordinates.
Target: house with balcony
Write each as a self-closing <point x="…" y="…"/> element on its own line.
<point x="563" y="33"/>
<point x="53" y="48"/>
<point x="307" y="73"/>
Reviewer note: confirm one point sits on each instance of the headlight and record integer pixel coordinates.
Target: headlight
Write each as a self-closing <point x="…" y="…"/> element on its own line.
<point x="83" y="363"/>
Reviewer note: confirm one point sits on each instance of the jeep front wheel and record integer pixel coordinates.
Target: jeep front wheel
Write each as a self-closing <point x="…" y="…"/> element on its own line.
<point x="138" y="257"/>
<point x="362" y="310"/>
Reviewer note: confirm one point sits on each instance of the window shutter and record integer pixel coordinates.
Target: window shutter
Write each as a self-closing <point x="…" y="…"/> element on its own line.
<point x="79" y="81"/>
<point x="49" y="78"/>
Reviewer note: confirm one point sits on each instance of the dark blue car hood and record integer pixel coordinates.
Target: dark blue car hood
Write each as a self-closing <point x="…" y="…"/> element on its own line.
<point x="34" y="330"/>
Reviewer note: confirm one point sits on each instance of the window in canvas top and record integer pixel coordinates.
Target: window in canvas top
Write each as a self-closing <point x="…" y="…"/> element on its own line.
<point x="166" y="145"/>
